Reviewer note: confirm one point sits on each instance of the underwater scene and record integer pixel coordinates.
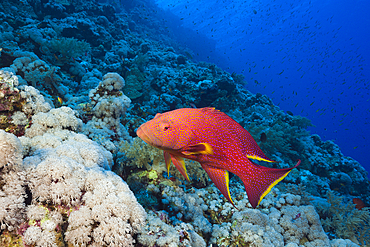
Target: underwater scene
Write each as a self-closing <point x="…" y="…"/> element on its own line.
<point x="171" y="123"/>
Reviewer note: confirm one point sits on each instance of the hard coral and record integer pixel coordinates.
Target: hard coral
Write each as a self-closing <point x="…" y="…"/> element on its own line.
<point x="40" y="75"/>
<point x="158" y="232"/>
<point x="12" y="182"/>
<point x="73" y="200"/>
<point x="108" y="105"/>
<point x="55" y="119"/>
<point x="10" y="150"/>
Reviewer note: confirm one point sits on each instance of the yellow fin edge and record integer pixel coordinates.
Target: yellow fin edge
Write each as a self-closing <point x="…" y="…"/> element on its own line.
<point x="254" y="157"/>
<point x="183" y="164"/>
<point x="168" y="168"/>
<point x="227" y="186"/>
<point x="167" y="160"/>
<point x="271" y="186"/>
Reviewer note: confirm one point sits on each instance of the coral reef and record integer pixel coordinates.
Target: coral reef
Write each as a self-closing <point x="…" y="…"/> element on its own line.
<point x="159" y="233"/>
<point x="67" y="49"/>
<point x="77" y="78"/>
<point x="108" y="105"/>
<point x="280" y="221"/>
<point x="60" y="192"/>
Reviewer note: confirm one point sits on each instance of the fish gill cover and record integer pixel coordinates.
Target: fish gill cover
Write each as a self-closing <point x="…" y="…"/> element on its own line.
<point x="77" y="79"/>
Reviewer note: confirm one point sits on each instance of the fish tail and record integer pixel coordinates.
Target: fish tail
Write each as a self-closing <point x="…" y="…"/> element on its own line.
<point x="259" y="180"/>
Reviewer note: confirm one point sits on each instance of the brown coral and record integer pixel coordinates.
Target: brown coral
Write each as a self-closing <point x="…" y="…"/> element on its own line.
<point x="10" y="102"/>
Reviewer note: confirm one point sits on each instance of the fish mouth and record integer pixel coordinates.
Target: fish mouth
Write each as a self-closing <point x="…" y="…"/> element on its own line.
<point x="141" y="133"/>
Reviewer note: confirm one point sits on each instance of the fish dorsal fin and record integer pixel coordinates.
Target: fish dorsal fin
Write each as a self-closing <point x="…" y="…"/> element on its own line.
<point x="251" y="148"/>
<point x="199" y="148"/>
<point x="220" y="178"/>
<point x="209" y="109"/>
<point x="157" y="115"/>
<point x="216" y="113"/>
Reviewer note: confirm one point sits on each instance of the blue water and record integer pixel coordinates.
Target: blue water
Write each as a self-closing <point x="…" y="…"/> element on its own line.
<point x="310" y="57"/>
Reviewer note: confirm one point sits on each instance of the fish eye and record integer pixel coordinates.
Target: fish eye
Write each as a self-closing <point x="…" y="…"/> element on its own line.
<point x="164" y="125"/>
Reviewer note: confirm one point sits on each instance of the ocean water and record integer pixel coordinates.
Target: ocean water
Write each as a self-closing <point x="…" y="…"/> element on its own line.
<point x="310" y="57"/>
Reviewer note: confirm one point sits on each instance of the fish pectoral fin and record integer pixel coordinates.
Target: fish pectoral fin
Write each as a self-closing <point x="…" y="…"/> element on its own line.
<point x="200" y="148"/>
<point x="220" y="178"/>
<point x="180" y="165"/>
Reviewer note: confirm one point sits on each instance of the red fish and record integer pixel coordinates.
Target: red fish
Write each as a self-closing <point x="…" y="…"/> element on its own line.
<point x="218" y="143"/>
<point x="359" y="203"/>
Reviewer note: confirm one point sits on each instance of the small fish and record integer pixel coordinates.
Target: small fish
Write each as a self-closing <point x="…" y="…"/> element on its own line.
<point x="60" y="100"/>
<point x="263" y="137"/>
<point x="297" y="216"/>
<point x="192" y="105"/>
<point x="359" y="203"/>
<point x="218" y="143"/>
